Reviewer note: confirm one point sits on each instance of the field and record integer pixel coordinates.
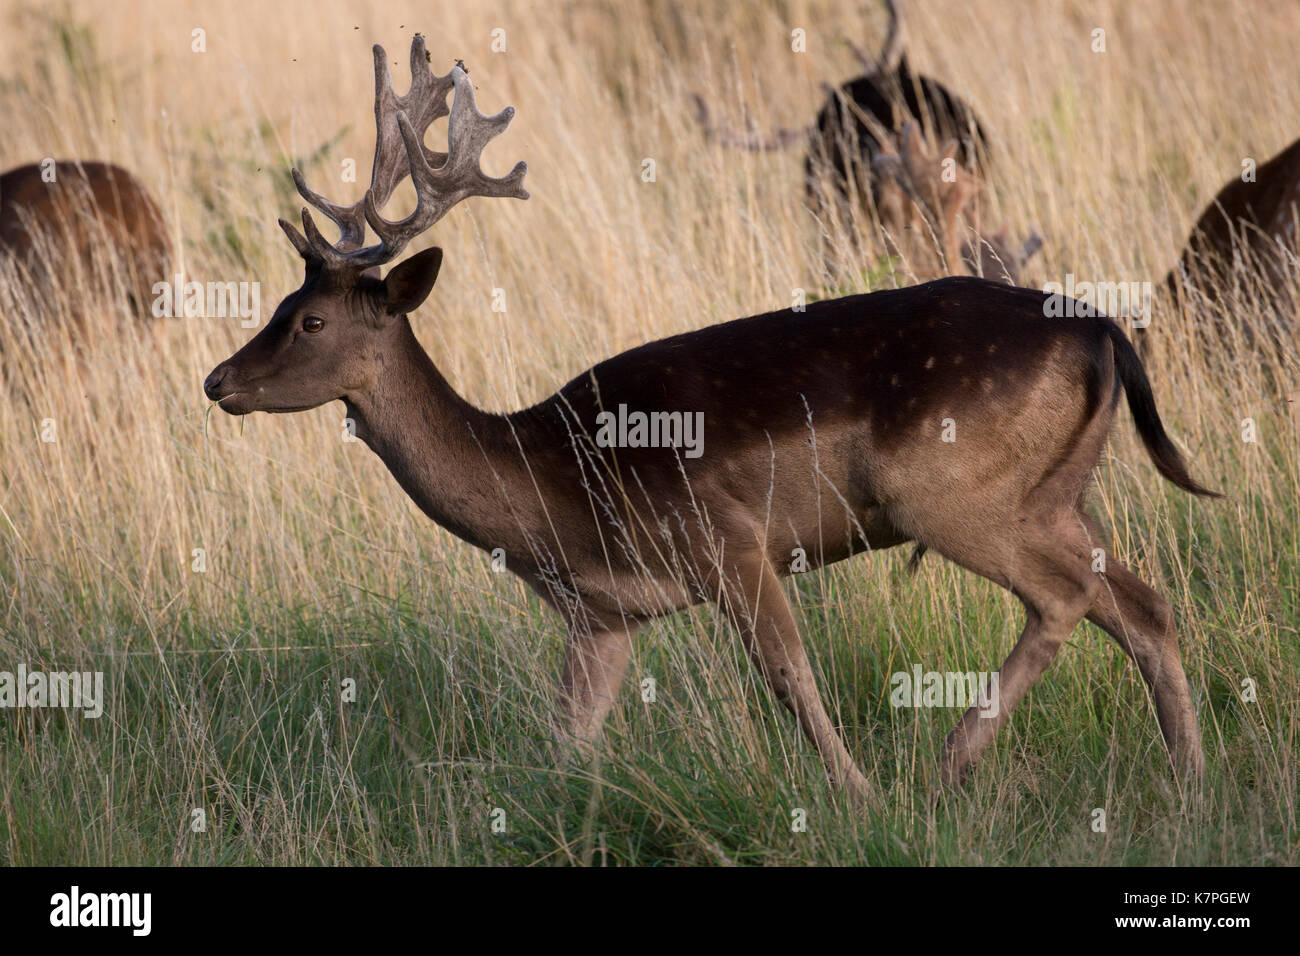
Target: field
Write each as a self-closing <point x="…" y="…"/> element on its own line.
<point x="233" y="577"/>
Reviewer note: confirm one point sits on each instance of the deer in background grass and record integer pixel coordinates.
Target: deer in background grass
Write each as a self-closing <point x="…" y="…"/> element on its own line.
<point x="922" y="195"/>
<point x="823" y="430"/>
<point x="91" y="216"/>
<point x="1250" y="226"/>
<point x="860" y="119"/>
<point x="1244" y="245"/>
<point x="869" y="140"/>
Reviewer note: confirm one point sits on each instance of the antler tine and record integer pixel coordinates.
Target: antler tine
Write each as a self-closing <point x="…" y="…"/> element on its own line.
<point x="426" y="102"/>
<point x="468" y="133"/>
<point x="319" y="245"/>
<point x="891" y="56"/>
<point x="891" y="53"/>
<point x="458" y="177"/>
<point x="299" y="241"/>
<point x="350" y="219"/>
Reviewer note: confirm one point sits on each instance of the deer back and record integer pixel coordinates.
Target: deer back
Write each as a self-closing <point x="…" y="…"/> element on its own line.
<point x="90" y="218"/>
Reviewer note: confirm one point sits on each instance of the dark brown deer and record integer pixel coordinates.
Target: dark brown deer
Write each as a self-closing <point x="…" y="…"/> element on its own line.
<point x="689" y="469"/>
<point x="861" y="119"/>
<point x="1248" y="230"/>
<point x="90" y="217"/>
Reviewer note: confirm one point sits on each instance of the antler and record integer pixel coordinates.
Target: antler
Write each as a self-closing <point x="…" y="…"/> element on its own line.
<point x="891" y="54"/>
<point x="441" y="179"/>
<point x="782" y="138"/>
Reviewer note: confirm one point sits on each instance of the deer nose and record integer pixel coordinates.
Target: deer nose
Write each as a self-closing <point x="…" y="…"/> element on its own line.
<point x="212" y="384"/>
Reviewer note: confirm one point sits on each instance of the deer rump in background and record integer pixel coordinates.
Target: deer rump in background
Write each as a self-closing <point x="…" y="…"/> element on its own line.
<point x="1248" y="236"/>
<point x="823" y="433"/>
<point x="893" y="115"/>
<point x="94" y="225"/>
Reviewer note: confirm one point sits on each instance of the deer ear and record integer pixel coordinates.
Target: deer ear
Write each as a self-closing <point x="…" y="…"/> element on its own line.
<point x="410" y="282"/>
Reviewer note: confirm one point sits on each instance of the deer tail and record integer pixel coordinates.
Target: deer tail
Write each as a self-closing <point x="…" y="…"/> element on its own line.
<point x="1142" y="403"/>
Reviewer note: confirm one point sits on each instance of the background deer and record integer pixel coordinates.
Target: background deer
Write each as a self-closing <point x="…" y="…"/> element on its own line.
<point x="822" y="431"/>
<point x="1248" y="231"/>
<point x="872" y="139"/>
<point x="861" y="117"/>
<point x="93" y="223"/>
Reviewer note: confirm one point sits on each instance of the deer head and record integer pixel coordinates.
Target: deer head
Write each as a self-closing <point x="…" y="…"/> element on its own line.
<point x="924" y="192"/>
<point x="924" y="195"/>
<point x="328" y="340"/>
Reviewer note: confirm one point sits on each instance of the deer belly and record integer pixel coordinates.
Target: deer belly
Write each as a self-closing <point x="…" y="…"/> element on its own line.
<point x="816" y="544"/>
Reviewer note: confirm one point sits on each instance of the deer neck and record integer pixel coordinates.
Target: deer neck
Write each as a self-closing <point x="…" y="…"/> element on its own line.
<point x="453" y="459"/>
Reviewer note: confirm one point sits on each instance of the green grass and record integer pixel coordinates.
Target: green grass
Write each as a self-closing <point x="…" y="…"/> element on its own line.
<point x="245" y="720"/>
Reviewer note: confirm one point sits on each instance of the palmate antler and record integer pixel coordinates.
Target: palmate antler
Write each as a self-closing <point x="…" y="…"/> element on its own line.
<point x="441" y="179"/>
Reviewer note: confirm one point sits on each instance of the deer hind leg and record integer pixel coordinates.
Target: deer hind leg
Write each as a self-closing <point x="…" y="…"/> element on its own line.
<point x="1048" y="569"/>
<point x="756" y="605"/>
<point x="1142" y="623"/>
<point x="594" y="663"/>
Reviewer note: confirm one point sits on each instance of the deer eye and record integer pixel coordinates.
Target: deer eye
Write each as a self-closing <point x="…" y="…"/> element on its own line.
<point x="313" y="323"/>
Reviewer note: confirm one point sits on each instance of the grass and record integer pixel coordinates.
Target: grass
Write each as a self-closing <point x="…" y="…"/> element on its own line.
<point x="226" y="686"/>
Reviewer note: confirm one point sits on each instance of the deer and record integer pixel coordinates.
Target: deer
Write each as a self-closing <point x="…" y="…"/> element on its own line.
<point x="1252" y="224"/>
<point x="860" y="120"/>
<point x="921" y="194"/>
<point x="51" y="227"/>
<point x="819" y="430"/>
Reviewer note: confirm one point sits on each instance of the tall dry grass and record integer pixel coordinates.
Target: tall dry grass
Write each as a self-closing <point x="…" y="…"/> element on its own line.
<point x="224" y="684"/>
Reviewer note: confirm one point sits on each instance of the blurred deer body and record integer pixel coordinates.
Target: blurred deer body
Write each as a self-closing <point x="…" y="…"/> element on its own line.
<point x="1249" y="233"/>
<point x="94" y="225"/>
<point x="864" y="117"/>
<point x="861" y="119"/>
<point x="822" y="431"/>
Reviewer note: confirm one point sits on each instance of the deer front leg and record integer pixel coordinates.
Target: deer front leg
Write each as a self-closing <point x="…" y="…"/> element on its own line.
<point x="758" y="607"/>
<point x="594" y="664"/>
